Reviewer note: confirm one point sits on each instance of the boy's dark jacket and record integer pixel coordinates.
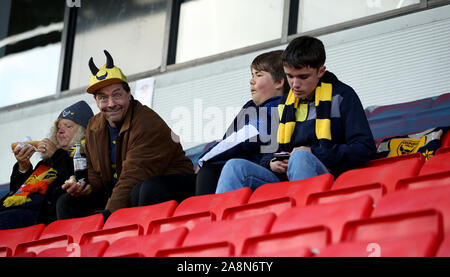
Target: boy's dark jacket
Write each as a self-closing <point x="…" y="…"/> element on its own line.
<point x="251" y="148"/>
<point x="352" y="142"/>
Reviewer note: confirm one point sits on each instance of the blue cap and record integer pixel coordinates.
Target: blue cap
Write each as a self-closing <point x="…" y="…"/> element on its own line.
<point x="79" y="113"/>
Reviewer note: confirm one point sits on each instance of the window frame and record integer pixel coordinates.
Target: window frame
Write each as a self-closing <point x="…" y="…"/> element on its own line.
<point x="289" y="32"/>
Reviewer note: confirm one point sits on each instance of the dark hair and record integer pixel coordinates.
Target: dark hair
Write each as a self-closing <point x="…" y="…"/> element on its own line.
<point x="304" y="51"/>
<point x="271" y="63"/>
<point x="125" y="86"/>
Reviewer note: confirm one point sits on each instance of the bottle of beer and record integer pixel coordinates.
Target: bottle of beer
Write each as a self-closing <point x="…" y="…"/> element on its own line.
<point x="79" y="164"/>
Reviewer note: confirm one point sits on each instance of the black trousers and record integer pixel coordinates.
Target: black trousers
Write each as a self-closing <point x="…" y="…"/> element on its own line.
<point x="207" y="178"/>
<point x="69" y="206"/>
<point x="163" y="188"/>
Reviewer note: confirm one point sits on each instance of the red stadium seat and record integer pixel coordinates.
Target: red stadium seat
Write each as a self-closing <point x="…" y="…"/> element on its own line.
<point x="395" y="226"/>
<point x="376" y="191"/>
<point x="214" y="203"/>
<point x="298" y="190"/>
<point x="276" y="206"/>
<point x="12" y="237"/>
<point x="61" y="233"/>
<point x="445" y="141"/>
<point x="220" y="249"/>
<point x="424" y="181"/>
<point x="436" y="164"/>
<point x="201" y="208"/>
<point x="140" y="215"/>
<point x="403" y="201"/>
<point x="444" y="248"/>
<point x="75" y="250"/>
<point x="288" y="243"/>
<point x="112" y="234"/>
<point x="5" y="252"/>
<point x="188" y="221"/>
<point x="128" y="222"/>
<point x="332" y="215"/>
<point x="386" y="171"/>
<point x="423" y="245"/>
<point x="231" y="231"/>
<point x="147" y="245"/>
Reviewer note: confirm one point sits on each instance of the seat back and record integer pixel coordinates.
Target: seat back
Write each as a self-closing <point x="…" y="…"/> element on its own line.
<point x="422" y="245"/>
<point x="140" y="215"/>
<point x="146" y="245"/>
<point x="386" y="171"/>
<point x="12" y="237"/>
<point x="232" y="231"/>
<point x="332" y="215"/>
<point x="436" y="164"/>
<point x="393" y="227"/>
<point x="298" y="190"/>
<point x="215" y="203"/>
<point x="403" y="201"/>
<point x="74" y="227"/>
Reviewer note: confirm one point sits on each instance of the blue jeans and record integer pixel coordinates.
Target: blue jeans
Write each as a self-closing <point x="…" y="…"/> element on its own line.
<point x="239" y="173"/>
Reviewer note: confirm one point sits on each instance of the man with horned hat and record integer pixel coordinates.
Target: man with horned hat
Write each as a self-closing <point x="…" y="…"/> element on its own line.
<point x="126" y="144"/>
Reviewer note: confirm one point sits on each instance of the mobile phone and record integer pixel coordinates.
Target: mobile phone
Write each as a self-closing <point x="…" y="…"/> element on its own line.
<point x="281" y="156"/>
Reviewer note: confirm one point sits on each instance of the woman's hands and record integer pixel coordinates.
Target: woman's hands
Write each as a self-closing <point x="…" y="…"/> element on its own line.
<point x="23" y="155"/>
<point x="47" y="147"/>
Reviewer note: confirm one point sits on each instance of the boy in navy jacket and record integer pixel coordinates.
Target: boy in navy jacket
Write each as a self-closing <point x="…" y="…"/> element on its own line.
<point x="249" y="136"/>
<point x="322" y="128"/>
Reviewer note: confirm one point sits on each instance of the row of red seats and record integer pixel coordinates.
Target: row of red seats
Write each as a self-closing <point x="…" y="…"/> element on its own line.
<point x="317" y="214"/>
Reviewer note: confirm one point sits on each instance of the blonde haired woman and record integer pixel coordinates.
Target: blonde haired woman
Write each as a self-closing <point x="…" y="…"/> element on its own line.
<point x="34" y="191"/>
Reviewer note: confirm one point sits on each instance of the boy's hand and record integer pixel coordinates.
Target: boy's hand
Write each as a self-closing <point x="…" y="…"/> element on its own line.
<point x="279" y="166"/>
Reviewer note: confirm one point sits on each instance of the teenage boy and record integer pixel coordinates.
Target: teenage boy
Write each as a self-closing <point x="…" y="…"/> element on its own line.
<point x="267" y="85"/>
<point x="323" y="127"/>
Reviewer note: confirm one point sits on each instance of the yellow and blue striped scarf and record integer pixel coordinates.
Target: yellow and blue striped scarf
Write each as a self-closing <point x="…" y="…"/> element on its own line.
<point x="293" y="110"/>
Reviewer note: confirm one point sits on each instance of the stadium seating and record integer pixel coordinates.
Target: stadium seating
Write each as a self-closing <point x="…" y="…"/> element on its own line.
<point x="200" y="208"/>
<point x="218" y="249"/>
<point x="231" y="231"/>
<point x="403" y="201"/>
<point x="297" y="190"/>
<point x="276" y="206"/>
<point x="140" y="215"/>
<point x="214" y="203"/>
<point x="423" y="245"/>
<point x="61" y="233"/>
<point x="444" y="249"/>
<point x="376" y="191"/>
<point x="401" y="108"/>
<point x="389" y="207"/>
<point x="9" y="239"/>
<point x="280" y="196"/>
<point x="386" y="171"/>
<point x="439" y="163"/>
<point x="332" y="215"/>
<point x="424" y="181"/>
<point x="147" y="245"/>
<point x="129" y="222"/>
<point x="74" y="250"/>
<point x="394" y="226"/>
<point x="288" y="243"/>
<point x="445" y="142"/>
